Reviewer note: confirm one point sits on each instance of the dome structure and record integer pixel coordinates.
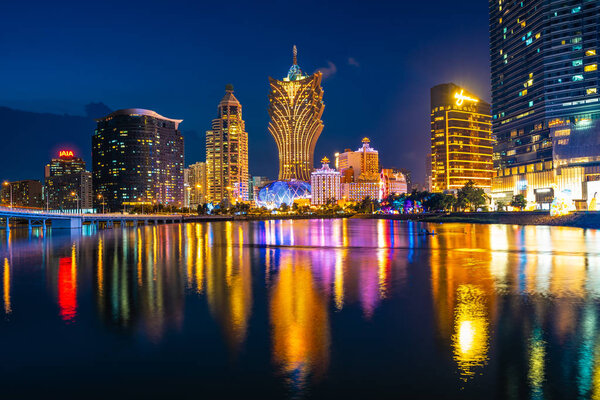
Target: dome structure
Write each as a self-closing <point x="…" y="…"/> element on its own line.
<point x="279" y="192"/>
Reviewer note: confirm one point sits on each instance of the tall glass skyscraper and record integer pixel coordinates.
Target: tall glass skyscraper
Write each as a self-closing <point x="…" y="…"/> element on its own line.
<point x="137" y="158"/>
<point x="295" y="107"/>
<point x="227" y="152"/>
<point x="545" y="104"/>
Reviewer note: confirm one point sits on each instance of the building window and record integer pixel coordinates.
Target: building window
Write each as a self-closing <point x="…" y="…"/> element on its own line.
<point x="576" y="10"/>
<point x="591" y="91"/>
<point x="591" y="52"/>
<point x="577" y="63"/>
<point x="576" y="78"/>
<point x="590" y="67"/>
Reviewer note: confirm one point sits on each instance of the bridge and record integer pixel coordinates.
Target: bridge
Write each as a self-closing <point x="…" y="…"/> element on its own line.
<point x="41" y="218"/>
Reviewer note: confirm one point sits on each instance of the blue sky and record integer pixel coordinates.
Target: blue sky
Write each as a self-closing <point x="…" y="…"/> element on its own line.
<point x="380" y="60"/>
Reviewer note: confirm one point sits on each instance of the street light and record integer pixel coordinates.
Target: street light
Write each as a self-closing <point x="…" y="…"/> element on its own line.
<point x="102" y="197"/>
<point x="76" y="198"/>
<point x="7" y="183"/>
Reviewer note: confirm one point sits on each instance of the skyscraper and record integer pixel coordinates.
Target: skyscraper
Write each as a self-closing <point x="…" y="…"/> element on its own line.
<point x="461" y="139"/>
<point x="295" y="107"/>
<point x="325" y="184"/>
<point x="137" y="157"/>
<point x="545" y="104"/>
<point x="68" y="185"/>
<point x="227" y="152"/>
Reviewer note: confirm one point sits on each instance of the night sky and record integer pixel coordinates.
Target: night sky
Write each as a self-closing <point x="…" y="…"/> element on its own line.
<point x="379" y="60"/>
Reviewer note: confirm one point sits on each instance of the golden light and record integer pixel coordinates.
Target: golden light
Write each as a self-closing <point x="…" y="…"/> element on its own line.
<point x="460" y="98"/>
<point x="5" y="183"/>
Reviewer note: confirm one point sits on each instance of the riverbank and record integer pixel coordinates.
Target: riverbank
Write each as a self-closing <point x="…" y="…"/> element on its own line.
<point x="581" y="219"/>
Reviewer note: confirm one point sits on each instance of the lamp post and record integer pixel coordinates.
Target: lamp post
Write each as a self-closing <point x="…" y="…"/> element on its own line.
<point x="7" y="183"/>
<point x="100" y="196"/>
<point x="77" y="199"/>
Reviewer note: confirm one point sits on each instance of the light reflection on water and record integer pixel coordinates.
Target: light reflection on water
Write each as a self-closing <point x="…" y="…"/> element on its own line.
<point x="505" y="309"/>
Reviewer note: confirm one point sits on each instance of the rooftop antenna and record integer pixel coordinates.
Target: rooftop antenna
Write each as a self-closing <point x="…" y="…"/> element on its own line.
<point x="295" y="51"/>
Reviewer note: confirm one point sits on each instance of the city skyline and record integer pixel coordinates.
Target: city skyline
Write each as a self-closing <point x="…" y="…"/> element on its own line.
<point x="374" y="89"/>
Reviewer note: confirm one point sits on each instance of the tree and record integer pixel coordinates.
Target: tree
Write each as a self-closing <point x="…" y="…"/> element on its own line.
<point x="519" y="201"/>
<point x="284" y="207"/>
<point x="500" y="205"/>
<point x="471" y="196"/>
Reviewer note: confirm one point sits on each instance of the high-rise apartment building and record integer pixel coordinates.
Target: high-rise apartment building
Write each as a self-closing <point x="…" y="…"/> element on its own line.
<point x="461" y="139"/>
<point x="68" y="185"/>
<point x="26" y="193"/>
<point x="137" y="157"/>
<point x="295" y="107"/>
<point x="195" y="184"/>
<point x="545" y="103"/>
<point x="325" y="184"/>
<point x="227" y="152"/>
<point x="362" y="162"/>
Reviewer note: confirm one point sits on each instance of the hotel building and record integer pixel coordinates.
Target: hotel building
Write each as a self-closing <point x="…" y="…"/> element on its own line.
<point x="393" y="182"/>
<point x="227" y="152"/>
<point x="362" y="162"/>
<point x="137" y="158"/>
<point x="68" y="185"/>
<point x="461" y="139"/>
<point x="545" y="103"/>
<point x="295" y="107"/>
<point x="325" y="184"/>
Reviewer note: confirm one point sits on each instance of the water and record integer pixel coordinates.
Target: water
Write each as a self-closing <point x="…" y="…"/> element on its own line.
<point x="301" y="309"/>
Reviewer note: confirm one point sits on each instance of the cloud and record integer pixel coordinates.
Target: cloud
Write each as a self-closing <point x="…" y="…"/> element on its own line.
<point x="328" y="71"/>
<point x="352" y="61"/>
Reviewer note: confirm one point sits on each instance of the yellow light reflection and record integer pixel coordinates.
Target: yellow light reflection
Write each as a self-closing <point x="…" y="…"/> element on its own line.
<point x="471" y="335"/>
<point x="6" y="287"/>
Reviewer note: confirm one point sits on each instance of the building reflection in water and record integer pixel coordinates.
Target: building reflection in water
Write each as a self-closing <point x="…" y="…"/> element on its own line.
<point x="6" y="287"/>
<point x="299" y="320"/>
<point x="67" y="286"/>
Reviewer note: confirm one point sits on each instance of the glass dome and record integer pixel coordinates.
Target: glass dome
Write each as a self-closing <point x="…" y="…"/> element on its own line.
<point x="276" y="193"/>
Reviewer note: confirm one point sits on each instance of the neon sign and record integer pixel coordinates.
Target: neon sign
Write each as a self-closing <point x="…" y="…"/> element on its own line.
<point x="66" y="153"/>
<point x="460" y="98"/>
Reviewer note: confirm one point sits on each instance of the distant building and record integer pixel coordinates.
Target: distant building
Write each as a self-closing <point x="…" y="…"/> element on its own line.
<point x="325" y="184"/>
<point x="295" y="107"/>
<point x="461" y="139"/>
<point x="358" y="191"/>
<point x="137" y="157"/>
<point x="227" y="152"/>
<point x="26" y="193"/>
<point x="255" y="184"/>
<point x="393" y="182"/>
<point x="364" y="161"/>
<point x="195" y="184"/>
<point x="68" y="185"/>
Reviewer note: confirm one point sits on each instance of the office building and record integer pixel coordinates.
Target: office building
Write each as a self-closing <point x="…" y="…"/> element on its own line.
<point x="25" y="193"/>
<point x="68" y="185"/>
<point x="325" y="184"/>
<point x="227" y="152"/>
<point x="137" y="158"/>
<point x="362" y="162"/>
<point x="195" y="184"/>
<point x="295" y="107"/>
<point x="461" y="139"/>
<point x="545" y="103"/>
<point x="255" y="184"/>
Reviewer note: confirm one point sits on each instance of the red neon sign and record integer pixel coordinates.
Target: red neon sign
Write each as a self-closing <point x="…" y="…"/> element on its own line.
<point x="66" y="153"/>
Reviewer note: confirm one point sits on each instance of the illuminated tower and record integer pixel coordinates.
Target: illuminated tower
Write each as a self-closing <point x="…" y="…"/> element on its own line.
<point x="295" y="107"/>
<point x="227" y="152"/>
<point x="461" y="139"/>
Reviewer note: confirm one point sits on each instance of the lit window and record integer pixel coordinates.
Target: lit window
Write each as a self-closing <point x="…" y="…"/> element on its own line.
<point x="531" y="103"/>
<point x="577" y="78"/>
<point x="577" y="63"/>
<point x="590" y="67"/>
<point x="576" y="10"/>
<point x="590" y="52"/>
<point x="592" y="90"/>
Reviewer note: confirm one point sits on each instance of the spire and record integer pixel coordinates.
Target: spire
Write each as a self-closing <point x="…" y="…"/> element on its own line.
<point x="295" y="52"/>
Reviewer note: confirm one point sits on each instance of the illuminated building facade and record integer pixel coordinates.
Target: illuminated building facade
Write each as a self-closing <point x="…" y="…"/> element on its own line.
<point x="277" y="193"/>
<point x="357" y="191"/>
<point x="137" y="157"/>
<point x="461" y="139"/>
<point x="26" y="193"/>
<point x="325" y="184"/>
<point x="255" y="184"/>
<point x="295" y="107"/>
<point x="545" y="103"/>
<point x="227" y="152"/>
<point x="64" y="176"/>
<point x="364" y="161"/>
<point x="195" y="184"/>
<point x="393" y="182"/>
